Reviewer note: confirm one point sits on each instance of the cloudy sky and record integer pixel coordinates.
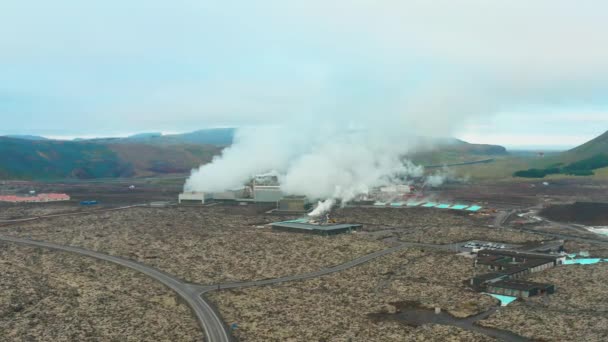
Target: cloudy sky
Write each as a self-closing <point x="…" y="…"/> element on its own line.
<point x="518" y="72"/>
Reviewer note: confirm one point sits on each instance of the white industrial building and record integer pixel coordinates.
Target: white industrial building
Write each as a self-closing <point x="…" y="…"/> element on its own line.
<point x="267" y="193"/>
<point x="260" y="194"/>
<point x="191" y="197"/>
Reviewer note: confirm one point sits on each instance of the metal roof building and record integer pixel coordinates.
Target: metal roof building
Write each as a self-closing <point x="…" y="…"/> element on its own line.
<point x="308" y="228"/>
<point x="267" y="193"/>
<point x="520" y="288"/>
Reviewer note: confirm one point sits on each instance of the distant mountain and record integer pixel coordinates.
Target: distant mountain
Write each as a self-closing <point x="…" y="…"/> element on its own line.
<point x="597" y="146"/>
<point x="52" y="159"/>
<point x="151" y="154"/>
<point x="216" y="136"/>
<point x="441" y="151"/>
<point x="145" y="135"/>
<point x="479" y="149"/>
<point x="24" y="137"/>
<point x="580" y="161"/>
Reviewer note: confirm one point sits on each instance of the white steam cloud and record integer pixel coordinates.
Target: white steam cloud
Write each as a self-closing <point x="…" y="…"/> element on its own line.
<point x="440" y="176"/>
<point x="322" y="207"/>
<point x="321" y="162"/>
<point x="390" y="72"/>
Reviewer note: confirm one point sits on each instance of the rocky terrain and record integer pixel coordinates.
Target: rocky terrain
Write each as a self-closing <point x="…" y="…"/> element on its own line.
<point x="200" y="244"/>
<point x="339" y="307"/>
<point x="54" y="296"/>
<point x="430" y="225"/>
<point x="17" y="211"/>
<point x="376" y="218"/>
<point x="595" y="250"/>
<point x="450" y="234"/>
<point x="578" y="311"/>
<point x="225" y="243"/>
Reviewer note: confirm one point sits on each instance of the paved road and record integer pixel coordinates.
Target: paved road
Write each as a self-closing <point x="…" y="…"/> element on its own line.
<point x="322" y="272"/>
<point x="208" y="318"/>
<point x="192" y="293"/>
<point x="502" y="217"/>
<point x="484" y="161"/>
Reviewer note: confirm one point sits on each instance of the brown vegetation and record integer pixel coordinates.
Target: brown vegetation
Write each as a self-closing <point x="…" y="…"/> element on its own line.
<point x="55" y="296"/>
<point x="578" y="311"/>
<point x="200" y="244"/>
<point x="429" y="225"/>
<point x="338" y="307"/>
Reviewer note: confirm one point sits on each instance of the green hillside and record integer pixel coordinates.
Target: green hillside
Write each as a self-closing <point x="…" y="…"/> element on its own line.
<point x="583" y="160"/>
<point x="454" y="151"/>
<point x="214" y="136"/>
<point x="154" y="154"/>
<point x="597" y="146"/>
<point x="50" y="159"/>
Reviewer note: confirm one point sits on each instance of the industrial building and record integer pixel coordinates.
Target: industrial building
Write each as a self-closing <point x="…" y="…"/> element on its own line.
<point x="497" y="260"/>
<point x="191" y="198"/>
<point x="296" y="204"/>
<point x="229" y="195"/>
<point x="259" y="194"/>
<point x="508" y="268"/>
<point x="520" y="288"/>
<point x="319" y="229"/>
<point x="267" y="193"/>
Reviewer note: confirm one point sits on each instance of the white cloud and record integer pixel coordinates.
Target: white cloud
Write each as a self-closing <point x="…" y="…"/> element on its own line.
<point x="430" y="65"/>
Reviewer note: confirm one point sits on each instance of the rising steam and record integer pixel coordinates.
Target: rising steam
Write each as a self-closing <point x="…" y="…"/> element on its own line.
<point x="342" y="125"/>
<point x="319" y="162"/>
<point x="322" y="207"/>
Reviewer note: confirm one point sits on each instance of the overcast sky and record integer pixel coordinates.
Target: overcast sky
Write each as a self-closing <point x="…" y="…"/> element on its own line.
<point x="518" y="73"/>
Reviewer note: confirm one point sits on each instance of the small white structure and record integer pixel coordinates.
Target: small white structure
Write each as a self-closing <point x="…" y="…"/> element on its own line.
<point x="191" y="197"/>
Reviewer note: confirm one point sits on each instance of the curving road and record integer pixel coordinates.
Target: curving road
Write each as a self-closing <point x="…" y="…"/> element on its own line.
<point x="322" y="272"/>
<point x="208" y="318"/>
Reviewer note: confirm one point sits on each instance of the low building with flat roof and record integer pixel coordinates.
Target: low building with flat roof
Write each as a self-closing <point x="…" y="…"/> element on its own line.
<point x="520" y="288"/>
<point x="267" y="193"/>
<point x="509" y="267"/>
<point x="487" y="278"/>
<point x="319" y="229"/>
<point x="191" y="198"/>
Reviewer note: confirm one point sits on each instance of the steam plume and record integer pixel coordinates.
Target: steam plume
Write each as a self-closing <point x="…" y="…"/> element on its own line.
<point x="322" y="207"/>
<point x="324" y="162"/>
<point x="343" y="127"/>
